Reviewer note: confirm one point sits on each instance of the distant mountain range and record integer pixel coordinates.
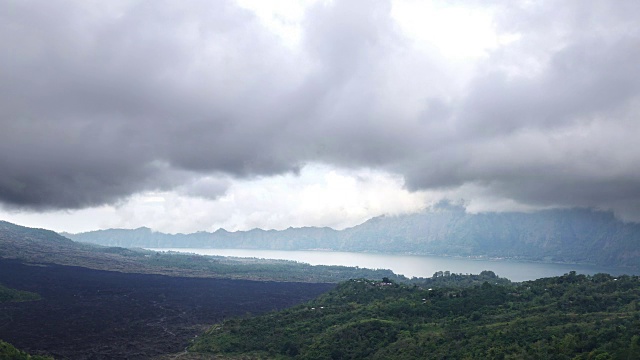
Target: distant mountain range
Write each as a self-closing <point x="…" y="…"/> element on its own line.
<point x="561" y="235"/>
<point x="44" y="247"/>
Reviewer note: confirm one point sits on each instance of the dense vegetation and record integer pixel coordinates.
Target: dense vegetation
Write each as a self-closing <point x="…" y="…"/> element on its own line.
<point x="447" y="279"/>
<point x="566" y="235"/>
<point x="43" y="246"/>
<point x="7" y="294"/>
<point x="9" y="352"/>
<point x="567" y="317"/>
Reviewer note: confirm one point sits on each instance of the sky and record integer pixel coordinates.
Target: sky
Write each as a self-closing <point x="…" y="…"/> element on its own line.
<point x="193" y="115"/>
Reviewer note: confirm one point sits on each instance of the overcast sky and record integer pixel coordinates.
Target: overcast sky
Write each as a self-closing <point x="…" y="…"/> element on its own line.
<point x="194" y="115"/>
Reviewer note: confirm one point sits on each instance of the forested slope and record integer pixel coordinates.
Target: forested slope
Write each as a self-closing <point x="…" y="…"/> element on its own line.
<point x="9" y="352"/>
<point x="567" y="317"/>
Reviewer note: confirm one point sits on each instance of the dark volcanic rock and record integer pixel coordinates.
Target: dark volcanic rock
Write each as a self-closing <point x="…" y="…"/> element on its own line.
<point x="93" y="314"/>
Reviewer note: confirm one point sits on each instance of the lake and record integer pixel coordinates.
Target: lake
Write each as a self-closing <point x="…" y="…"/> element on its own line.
<point x="412" y="265"/>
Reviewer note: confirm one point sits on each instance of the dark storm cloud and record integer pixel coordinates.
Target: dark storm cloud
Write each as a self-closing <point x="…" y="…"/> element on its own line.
<point x="95" y="96"/>
<point x="100" y="100"/>
<point x="560" y="131"/>
<point x="577" y="83"/>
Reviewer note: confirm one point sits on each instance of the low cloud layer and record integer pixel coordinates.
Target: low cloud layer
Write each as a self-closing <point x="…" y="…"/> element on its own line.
<point x="103" y="100"/>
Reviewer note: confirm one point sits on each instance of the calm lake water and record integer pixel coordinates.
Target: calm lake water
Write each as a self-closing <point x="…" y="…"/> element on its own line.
<point x="412" y="265"/>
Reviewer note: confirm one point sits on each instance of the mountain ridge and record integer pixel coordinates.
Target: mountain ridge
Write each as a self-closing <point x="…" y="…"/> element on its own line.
<point x="575" y="235"/>
<point x="42" y="247"/>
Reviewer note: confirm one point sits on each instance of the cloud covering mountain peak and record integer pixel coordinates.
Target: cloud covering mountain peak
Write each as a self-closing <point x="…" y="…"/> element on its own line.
<point x="101" y="101"/>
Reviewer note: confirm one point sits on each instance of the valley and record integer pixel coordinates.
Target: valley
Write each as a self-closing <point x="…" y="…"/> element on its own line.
<point x="71" y="300"/>
<point x="319" y="180"/>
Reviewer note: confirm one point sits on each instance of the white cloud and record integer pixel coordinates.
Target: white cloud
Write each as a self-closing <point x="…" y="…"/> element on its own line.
<point x="193" y="115"/>
<point x="282" y="17"/>
<point x="318" y="196"/>
<point x="457" y="32"/>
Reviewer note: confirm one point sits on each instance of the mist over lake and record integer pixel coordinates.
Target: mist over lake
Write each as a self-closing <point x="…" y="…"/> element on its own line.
<point x="412" y="265"/>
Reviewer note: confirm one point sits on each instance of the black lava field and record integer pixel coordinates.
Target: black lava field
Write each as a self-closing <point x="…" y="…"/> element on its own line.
<point x="93" y="314"/>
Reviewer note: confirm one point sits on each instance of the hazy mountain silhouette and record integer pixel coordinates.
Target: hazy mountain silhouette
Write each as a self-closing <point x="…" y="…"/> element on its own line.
<point x="561" y="235"/>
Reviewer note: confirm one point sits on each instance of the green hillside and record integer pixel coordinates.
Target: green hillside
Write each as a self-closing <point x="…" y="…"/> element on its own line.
<point x="7" y="294"/>
<point x="567" y="317"/>
<point x="9" y="352"/>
